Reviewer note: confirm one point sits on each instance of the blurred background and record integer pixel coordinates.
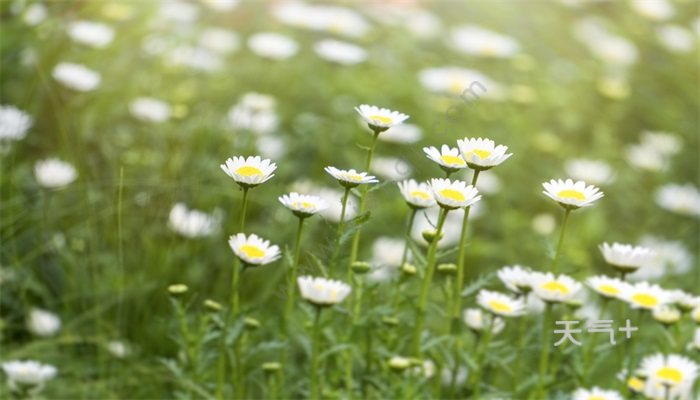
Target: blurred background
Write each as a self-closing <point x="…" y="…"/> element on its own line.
<point x="116" y="115"/>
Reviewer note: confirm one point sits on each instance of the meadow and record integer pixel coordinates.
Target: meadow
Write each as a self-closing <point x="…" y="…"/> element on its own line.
<point x="234" y="199"/>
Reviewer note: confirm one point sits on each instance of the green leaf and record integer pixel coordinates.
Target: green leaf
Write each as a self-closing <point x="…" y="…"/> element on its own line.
<point x="481" y="281"/>
<point x="353" y="225"/>
<point x="319" y="264"/>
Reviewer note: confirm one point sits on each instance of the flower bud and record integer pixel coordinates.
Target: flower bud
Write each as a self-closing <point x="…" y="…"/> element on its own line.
<point x="399" y="363"/>
<point x="431" y="235"/>
<point x="391" y="321"/>
<point x="360" y="267"/>
<point x="212" y="305"/>
<point x="667" y="315"/>
<point x="178" y="289"/>
<point x="271" y="367"/>
<point x="251" y="323"/>
<point x="447" y="269"/>
<point x="408" y="269"/>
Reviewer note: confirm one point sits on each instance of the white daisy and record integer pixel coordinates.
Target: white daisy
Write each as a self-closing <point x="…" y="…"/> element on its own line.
<point x="43" y="323"/>
<point x="625" y="257"/>
<point x="274" y="46"/>
<point x="645" y="295"/>
<point x="552" y="288"/>
<point x="475" y="40"/>
<point x="675" y="38"/>
<point x="150" y="110"/>
<point x="695" y="314"/>
<point x="543" y="224"/>
<point x="669" y="376"/>
<point x="447" y="158"/>
<point x="35" y="14"/>
<point x="516" y="278"/>
<point x="469" y="84"/>
<point x="404" y="133"/>
<point x="117" y="348"/>
<point x="500" y="304"/>
<point x="28" y="374"/>
<point x="571" y="195"/>
<point x="685" y="301"/>
<point x="387" y="251"/>
<point x="654" y="10"/>
<point x="253" y="250"/>
<point x="339" y="52"/>
<point x="593" y="171"/>
<point x="255" y="112"/>
<point x="645" y="157"/>
<point x="453" y="194"/>
<point x="221" y="5"/>
<point x="321" y="291"/>
<point x="219" y="40"/>
<point x="681" y="199"/>
<point x="478" y="321"/>
<point x="606" y="286"/>
<point x="198" y="58"/>
<point x="350" y="178"/>
<point x="665" y="143"/>
<point x="249" y="172"/>
<point x="303" y="205"/>
<point x="53" y="173"/>
<point x="666" y="314"/>
<point x="193" y="223"/>
<point x="670" y="257"/>
<point x="417" y="195"/>
<point x="14" y="123"/>
<point x="380" y="119"/>
<point x="482" y="154"/>
<point x="596" y="393"/>
<point x="317" y="17"/>
<point x="90" y="33"/>
<point x="76" y="76"/>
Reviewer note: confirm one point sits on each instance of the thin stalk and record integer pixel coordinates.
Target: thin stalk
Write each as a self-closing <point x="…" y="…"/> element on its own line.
<point x="520" y="349"/>
<point x="315" y="338"/>
<point x="544" y="354"/>
<point x="339" y="231"/>
<point x="430" y="270"/>
<point x="555" y="261"/>
<point x="591" y="346"/>
<point x="404" y="257"/>
<point x="363" y="198"/>
<point x="481" y="355"/>
<point x="292" y="277"/>
<point x="244" y="207"/>
<point x="238" y="377"/>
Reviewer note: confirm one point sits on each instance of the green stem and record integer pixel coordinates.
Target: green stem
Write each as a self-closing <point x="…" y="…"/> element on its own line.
<point x="315" y="338"/>
<point x="238" y="370"/>
<point x="404" y="257"/>
<point x="488" y="333"/>
<point x="591" y="346"/>
<point x="339" y="232"/>
<point x="244" y="208"/>
<point x="430" y="270"/>
<point x="521" y="348"/>
<point x="555" y="261"/>
<point x="292" y="277"/>
<point x="363" y="198"/>
<point x="544" y="354"/>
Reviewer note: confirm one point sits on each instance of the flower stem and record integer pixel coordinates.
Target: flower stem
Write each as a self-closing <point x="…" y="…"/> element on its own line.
<point x="429" y="271"/>
<point x="363" y="198"/>
<point x="589" y="351"/>
<point x="292" y="277"/>
<point x="555" y="261"/>
<point x="544" y="354"/>
<point x="341" y="227"/>
<point x="488" y="332"/>
<point x="519" y="353"/>
<point x="315" y="338"/>
<point x="244" y="207"/>
<point x="404" y="257"/>
<point x="238" y="378"/>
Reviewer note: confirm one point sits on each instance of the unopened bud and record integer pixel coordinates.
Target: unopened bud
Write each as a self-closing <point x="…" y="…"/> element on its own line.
<point x="178" y="289"/>
<point x="360" y="267"/>
<point x="391" y="321"/>
<point x="447" y="269"/>
<point x="408" y="269"/>
<point x="211" y="305"/>
<point x="431" y="235"/>
<point x="251" y="323"/>
<point x="271" y="366"/>
<point x="399" y="363"/>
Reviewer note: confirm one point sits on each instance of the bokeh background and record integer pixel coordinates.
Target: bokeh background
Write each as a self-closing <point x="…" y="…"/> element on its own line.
<point x="144" y="99"/>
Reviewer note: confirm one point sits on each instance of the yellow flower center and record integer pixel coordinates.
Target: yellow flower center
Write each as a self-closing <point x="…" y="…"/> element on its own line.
<point x="500" y="306"/>
<point x="479" y="153"/>
<point x="353" y="177"/>
<point x="670" y="374"/>
<point x="380" y="119"/>
<point x="596" y="398"/>
<point x="420" y="194"/>
<point x="645" y="300"/>
<point x="248" y="171"/>
<point x="571" y="194"/>
<point x="333" y="294"/>
<point x="608" y="289"/>
<point x="554" y="286"/>
<point x="635" y="384"/>
<point x="252" y="251"/>
<point x="452" y="194"/>
<point x="456" y="86"/>
<point x="302" y="204"/>
<point x="452" y="160"/>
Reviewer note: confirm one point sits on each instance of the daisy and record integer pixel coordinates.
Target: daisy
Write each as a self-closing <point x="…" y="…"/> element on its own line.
<point x="350" y="178"/>
<point x="76" y="76"/>
<point x="253" y="250"/>
<point x="193" y="223"/>
<point x="675" y="38"/>
<point x="500" y="304"/>
<point x="150" y="110"/>
<point x="670" y="257"/>
<point x="606" y="286"/>
<point x="466" y="83"/>
<point x="53" y="173"/>
<point x="302" y="205"/>
<point x="666" y="144"/>
<point x="249" y="172"/>
<point x="339" y="52"/>
<point x="681" y="199"/>
<point x="30" y="374"/>
<point x="273" y="46"/>
<point x="625" y="257"/>
<point x="644" y="295"/>
<point x="91" y="33"/>
<point x="14" y="123"/>
<point x="219" y="40"/>
<point x="404" y="134"/>
<point x="43" y="323"/>
<point x="654" y="10"/>
<point x="255" y="112"/>
<point x="416" y="195"/>
<point x="477" y="321"/>
<point x="447" y="158"/>
<point x="453" y="194"/>
<point x="380" y="119"/>
<point x="695" y="314"/>
<point x="321" y="291"/>
<point x="593" y="171"/>
<point x="516" y="278"/>
<point x="685" y="301"/>
<point x="475" y="40"/>
<point x="666" y="315"/>
<point x="668" y="376"/>
<point x="551" y="288"/>
<point x="571" y="195"/>
<point x="482" y="154"/>
<point x="596" y="393"/>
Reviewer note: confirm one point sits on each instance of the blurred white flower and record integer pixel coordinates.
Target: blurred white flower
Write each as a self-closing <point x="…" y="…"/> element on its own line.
<point x="500" y="304"/>
<point x="669" y="376"/>
<point x="14" y="123"/>
<point x="593" y="171"/>
<point x="193" y="223"/>
<point x="388" y="251"/>
<point x="596" y="393"/>
<point x="675" y="38"/>
<point x="150" y="110"/>
<point x="321" y="291"/>
<point x="391" y="168"/>
<point x="90" y="33"/>
<point x="270" y="146"/>
<point x="543" y="224"/>
<point x="477" y="320"/>
<point x="43" y="323"/>
<point x="626" y="257"/>
<point x="178" y="11"/>
<point x="340" y="52"/>
<point x="334" y="19"/>
<point x="274" y="46"/>
<point x="644" y="295"/>
<point x="669" y="257"/>
<point x="478" y="41"/>
<point x="29" y="375"/>
<point x="460" y="378"/>
<point x="488" y="183"/>
<point x="118" y="349"/>
<point x="76" y="76"/>
<point x="221" y="5"/>
<point x="666" y="144"/>
<point x="551" y="288"/>
<point x="35" y="14"/>
<point x="471" y="84"/>
<point x="452" y="229"/>
<point x="607" y="47"/>
<point x="645" y="157"/>
<point x="416" y="195"/>
<point x="422" y="23"/>
<point x="333" y="198"/>
<point x="696" y="26"/>
<point x="219" y="40"/>
<point x="197" y="58"/>
<point x="516" y="278"/>
<point x="53" y="173"/>
<point x="254" y="112"/>
<point x="653" y="9"/>
<point x="404" y="133"/>
<point x="680" y="199"/>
